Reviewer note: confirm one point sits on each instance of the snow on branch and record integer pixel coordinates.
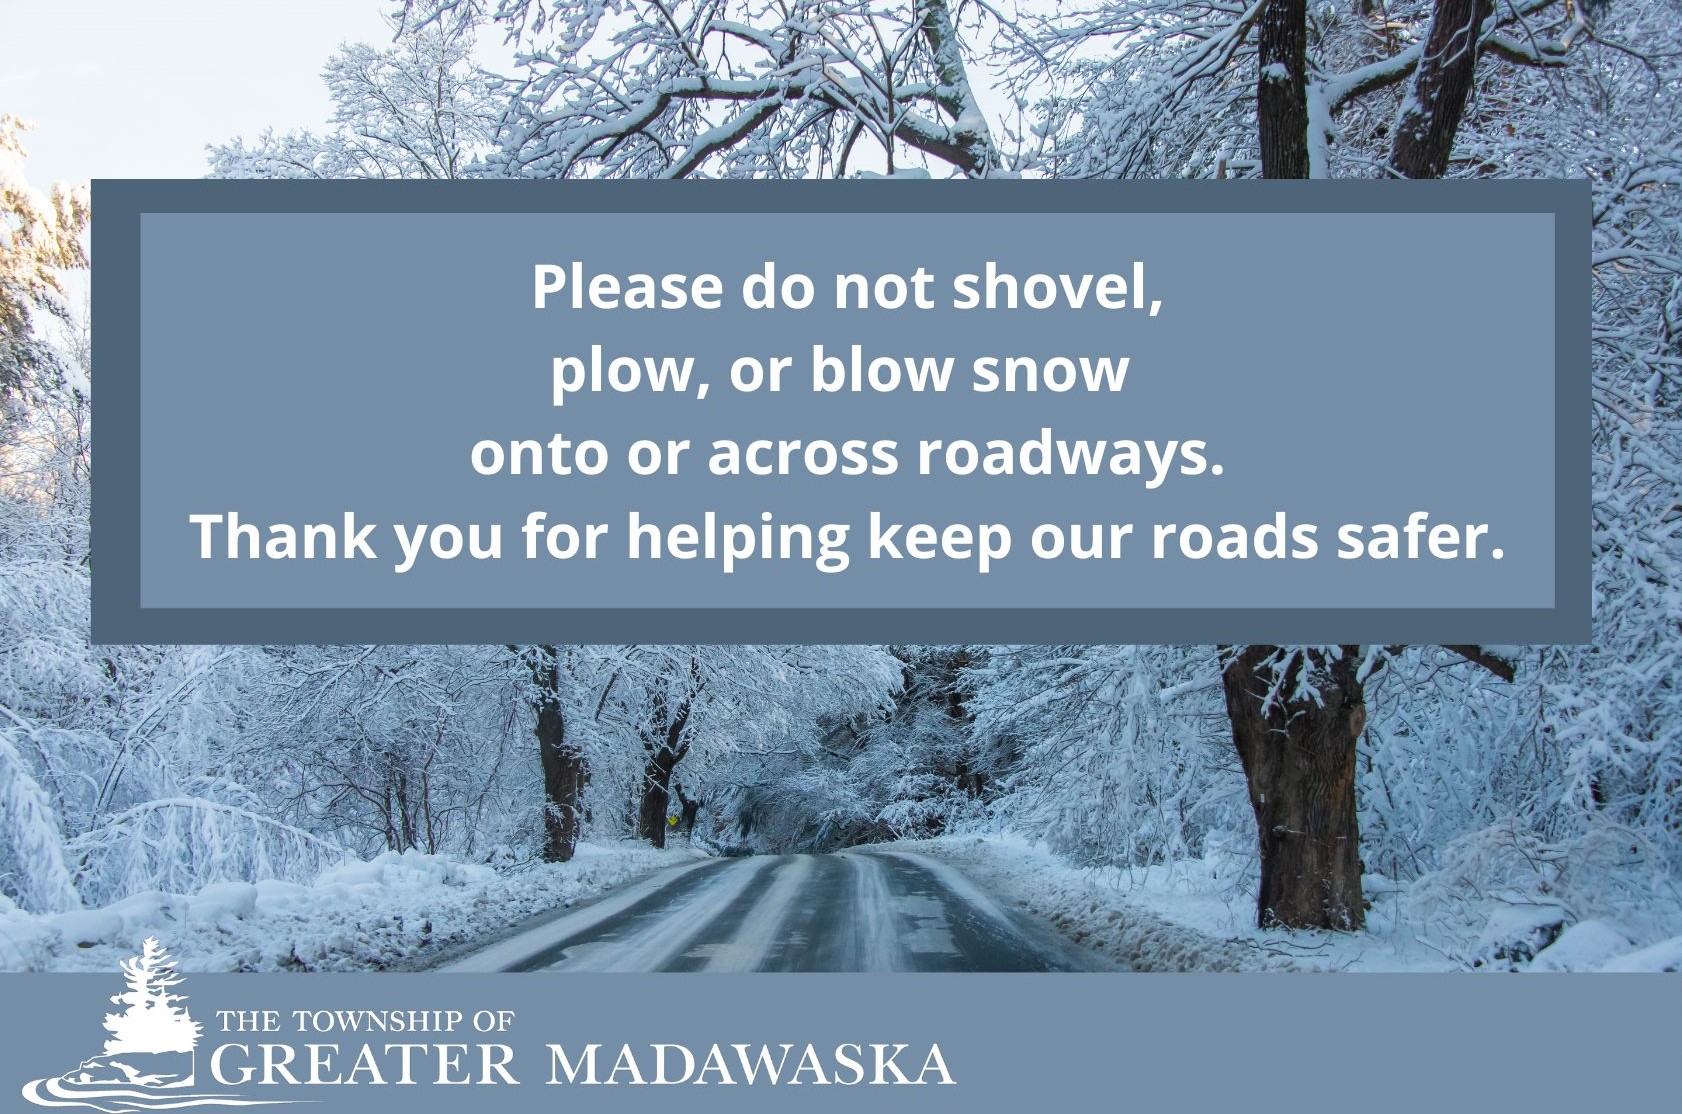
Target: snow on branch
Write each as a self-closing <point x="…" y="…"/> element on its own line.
<point x="676" y="89"/>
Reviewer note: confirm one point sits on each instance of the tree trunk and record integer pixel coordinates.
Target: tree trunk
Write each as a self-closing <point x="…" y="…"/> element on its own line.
<point x="1431" y="114"/>
<point x="690" y="808"/>
<point x="666" y="746"/>
<point x="656" y="796"/>
<point x="1299" y="757"/>
<point x="566" y="771"/>
<point x="565" y="774"/>
<point x="1282" y="89"/>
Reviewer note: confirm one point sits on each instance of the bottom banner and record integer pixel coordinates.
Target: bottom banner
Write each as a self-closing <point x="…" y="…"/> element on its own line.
<point x="144" y="1039"/>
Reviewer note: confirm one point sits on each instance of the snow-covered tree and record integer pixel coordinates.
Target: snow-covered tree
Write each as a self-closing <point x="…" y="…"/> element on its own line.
<point x="419" y="108"/>
<point x="699" y="705"/>
<point x="40" y="238"/>
<point x="662" y="89"/>
<point x="910" y="769"/>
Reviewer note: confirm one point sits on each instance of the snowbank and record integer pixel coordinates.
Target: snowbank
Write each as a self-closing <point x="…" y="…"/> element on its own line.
<point x="1091" y="909"/>
<point x="1666" y="955"/>
<point x="1199" y="916"/>
<point x="397" y="910"/>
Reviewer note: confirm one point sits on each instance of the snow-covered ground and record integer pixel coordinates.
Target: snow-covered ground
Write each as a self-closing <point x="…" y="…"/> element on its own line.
<point x="397" y="910"/>
<point x="1200" y="916"/>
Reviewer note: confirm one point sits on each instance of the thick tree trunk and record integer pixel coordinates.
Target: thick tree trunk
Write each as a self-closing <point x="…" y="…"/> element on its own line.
<point x="1431" y="114"/>
<point x="666" y="746"/>
<point x="1282" y="89"/>
<point x="566" y="771"/>
<point x="565" y="774"/>
<point x="656" y="796"/>
<point x="1299" y="758"/>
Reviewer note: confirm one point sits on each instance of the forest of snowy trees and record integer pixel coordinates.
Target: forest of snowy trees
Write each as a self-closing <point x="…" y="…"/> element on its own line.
<point x="1454" y="775"/>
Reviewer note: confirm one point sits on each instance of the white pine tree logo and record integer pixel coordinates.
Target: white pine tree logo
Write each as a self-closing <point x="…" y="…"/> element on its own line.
<point x="149" y="1059"/>
<point x="152" y="1020"/>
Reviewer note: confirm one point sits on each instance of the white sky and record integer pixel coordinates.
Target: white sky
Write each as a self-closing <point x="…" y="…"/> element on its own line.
<point x="137" y="88"/>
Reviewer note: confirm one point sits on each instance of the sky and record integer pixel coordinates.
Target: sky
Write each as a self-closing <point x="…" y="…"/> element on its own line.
<point x="137" y="88"/>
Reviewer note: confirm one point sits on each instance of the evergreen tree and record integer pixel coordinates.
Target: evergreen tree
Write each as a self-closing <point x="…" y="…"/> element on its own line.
<point x="153" y="1019"/>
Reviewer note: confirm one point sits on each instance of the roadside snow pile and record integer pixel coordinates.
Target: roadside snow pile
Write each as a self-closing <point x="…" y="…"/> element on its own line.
<point x="1091" y="909"/>
<point x="397" y="910"/>
<point x="1517" y="930"/>
<point x="1585" y="946"/>
<point x="1199" y="916"/>
<point x="1666" y="955"/>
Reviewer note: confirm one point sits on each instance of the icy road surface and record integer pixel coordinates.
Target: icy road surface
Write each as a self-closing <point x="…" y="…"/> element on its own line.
<point x="851" y="911"/>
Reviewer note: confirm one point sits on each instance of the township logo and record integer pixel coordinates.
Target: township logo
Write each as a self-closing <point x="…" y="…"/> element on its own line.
<point x="149" y="1058"/>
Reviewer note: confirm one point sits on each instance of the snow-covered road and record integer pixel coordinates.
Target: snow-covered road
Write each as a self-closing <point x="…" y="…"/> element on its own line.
<point x="851" y="911"/>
